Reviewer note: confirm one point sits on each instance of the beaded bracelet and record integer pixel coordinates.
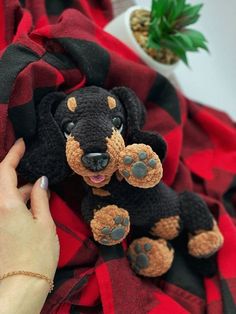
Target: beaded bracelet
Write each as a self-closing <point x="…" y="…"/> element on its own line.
<point x="31" y="274"/>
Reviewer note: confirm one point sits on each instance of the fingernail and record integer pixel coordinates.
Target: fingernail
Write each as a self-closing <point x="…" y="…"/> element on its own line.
<point x="19" y="140"/>
<point x="44" y="183"/>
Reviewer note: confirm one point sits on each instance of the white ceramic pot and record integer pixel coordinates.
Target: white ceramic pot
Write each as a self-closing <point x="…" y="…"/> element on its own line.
<point x="120" y="28"/>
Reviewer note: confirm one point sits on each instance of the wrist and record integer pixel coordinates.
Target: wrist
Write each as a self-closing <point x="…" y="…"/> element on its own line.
<point x="22" y="294"/>
<point x="25" y="282"/>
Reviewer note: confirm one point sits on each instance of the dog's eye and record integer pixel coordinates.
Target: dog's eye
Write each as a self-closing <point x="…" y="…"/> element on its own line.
<point x="117" y="122"/>
<point x="67" y="128"/>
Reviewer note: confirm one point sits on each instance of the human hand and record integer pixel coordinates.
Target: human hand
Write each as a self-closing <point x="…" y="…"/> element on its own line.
<point x="28" y="239"/>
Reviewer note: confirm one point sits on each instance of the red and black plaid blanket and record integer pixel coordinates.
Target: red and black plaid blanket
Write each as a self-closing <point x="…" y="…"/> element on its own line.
<point x="60" y="45"/>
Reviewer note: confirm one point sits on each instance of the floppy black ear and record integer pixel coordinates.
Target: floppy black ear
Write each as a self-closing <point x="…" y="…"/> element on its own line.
<point x="135" y="110"/>
<point x="153" y="139"/>
<point x="45" y="152"/>
<point x="136" y="114"/>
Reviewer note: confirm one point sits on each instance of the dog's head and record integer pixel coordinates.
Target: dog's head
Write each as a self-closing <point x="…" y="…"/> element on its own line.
<point x="85" y="130"/>
<point x="96" y="124"/>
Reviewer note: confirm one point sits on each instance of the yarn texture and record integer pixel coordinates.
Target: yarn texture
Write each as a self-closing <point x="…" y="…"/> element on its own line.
<point x="123" y="178"/>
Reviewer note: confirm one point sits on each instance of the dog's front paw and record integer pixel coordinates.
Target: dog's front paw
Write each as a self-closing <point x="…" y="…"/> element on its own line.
<point x="110" y="225"/>
<point x="140" y="166"/>
<point x="150" y="258"/>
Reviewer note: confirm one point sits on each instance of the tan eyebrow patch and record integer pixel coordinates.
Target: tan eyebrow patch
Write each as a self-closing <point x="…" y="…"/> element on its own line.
<point x="72" y="104"/>
<point x="111" y="102"/>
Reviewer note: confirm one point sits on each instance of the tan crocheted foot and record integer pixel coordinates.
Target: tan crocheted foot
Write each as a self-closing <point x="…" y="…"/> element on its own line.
<point x="110" y="225"/>
<point x="150" y="258"/>
<point x="205" y="243"/>
<point x="140" y="166"/>
<point x="167" y="228"/>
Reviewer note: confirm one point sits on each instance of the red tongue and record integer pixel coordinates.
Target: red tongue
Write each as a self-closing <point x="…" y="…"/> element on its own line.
<point x="97" y="179"/>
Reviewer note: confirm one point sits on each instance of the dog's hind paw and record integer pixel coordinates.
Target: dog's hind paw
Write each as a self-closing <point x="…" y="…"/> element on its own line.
<point x="140" y="166"/>
<point x="150" y="258"/>
<point x="205" y="243"/>
<point x="110" y="225"/>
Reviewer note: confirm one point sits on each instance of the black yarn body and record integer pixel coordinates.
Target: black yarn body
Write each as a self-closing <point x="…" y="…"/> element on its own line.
<point x="148" y="206"/>
<point x="45" y="155"/>
<point x="194" y="212"/>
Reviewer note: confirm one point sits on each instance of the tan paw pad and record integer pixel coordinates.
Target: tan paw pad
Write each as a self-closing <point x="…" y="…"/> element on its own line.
<point x="206" y="243"/>
<point x="110" y="225"/>
<point x="167" y="228"/>
<point x="140" y="166"/>
<point x="150" y="258"/>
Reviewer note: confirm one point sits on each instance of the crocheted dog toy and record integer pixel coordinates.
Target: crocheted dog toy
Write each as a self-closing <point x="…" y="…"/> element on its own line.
<point x="97" y="134"/>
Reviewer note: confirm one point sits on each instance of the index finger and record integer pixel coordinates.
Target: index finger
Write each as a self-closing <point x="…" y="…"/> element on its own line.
<point x="9" y="164"/>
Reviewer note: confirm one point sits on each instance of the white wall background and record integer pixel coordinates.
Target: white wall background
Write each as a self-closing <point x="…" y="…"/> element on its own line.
<point x="212" y="77"/>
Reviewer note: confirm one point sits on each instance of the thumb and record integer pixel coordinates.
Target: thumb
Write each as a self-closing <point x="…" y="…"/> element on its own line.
<point x="39" y="200"/>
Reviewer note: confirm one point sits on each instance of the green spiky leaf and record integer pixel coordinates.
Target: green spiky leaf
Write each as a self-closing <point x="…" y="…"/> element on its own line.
<point x="177" y="8"/>
<point x="192" y="10"/>
<point x="197" y="38"/>
<point x="159" y="8"/>
<point x="176" y="48"/>
<point x="152" y="43"/>
<point x="185" y="41"/>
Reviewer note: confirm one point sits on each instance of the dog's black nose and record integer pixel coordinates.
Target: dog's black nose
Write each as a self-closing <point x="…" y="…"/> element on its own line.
<point x="95" y="161"/>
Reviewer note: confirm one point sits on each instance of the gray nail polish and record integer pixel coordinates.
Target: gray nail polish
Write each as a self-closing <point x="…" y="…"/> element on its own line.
<point x="19" y="140"/>
<point x="44" y="183"/>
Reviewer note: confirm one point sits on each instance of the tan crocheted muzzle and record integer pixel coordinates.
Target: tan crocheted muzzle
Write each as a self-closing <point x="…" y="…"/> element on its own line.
<point x="74" y="154"/>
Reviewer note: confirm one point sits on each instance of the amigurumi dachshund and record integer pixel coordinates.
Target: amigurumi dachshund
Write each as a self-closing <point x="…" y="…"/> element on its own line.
<point x="97" y="134"/>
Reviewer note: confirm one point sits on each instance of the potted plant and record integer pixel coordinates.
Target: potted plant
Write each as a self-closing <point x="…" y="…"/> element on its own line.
<point x="160" y="36"/>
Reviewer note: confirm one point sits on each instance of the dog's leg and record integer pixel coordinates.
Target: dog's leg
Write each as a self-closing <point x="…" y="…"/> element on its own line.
<point x="109" y="223"/>
<point x="205" y="237"/>
<point x="167" y="223"/>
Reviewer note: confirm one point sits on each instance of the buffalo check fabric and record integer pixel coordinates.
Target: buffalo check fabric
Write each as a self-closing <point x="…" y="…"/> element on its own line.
<point x="60" y="45"/>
